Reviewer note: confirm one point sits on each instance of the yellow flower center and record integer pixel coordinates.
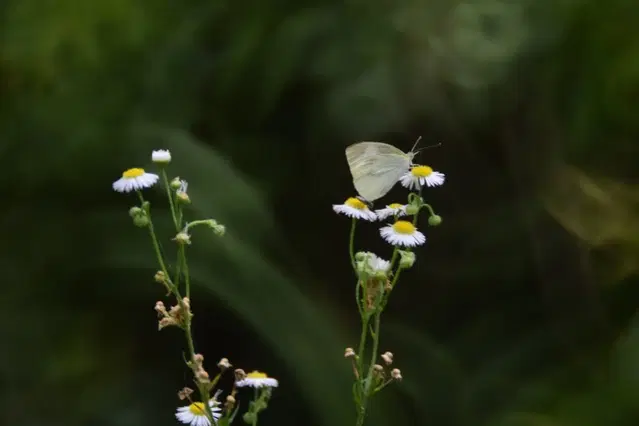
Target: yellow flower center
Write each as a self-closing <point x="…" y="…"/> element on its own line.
<point x="197" y="408"/>
<point x="133" y="173"/>
<point x="395" y="206"/>
<point x="256" y="375"/>
<point x="404" y="227"/>
<point x="355" y="203"/>
<point x="421" y="171"/>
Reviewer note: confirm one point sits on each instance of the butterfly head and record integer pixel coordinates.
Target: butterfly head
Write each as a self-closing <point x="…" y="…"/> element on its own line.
<point x="365" y="201"/>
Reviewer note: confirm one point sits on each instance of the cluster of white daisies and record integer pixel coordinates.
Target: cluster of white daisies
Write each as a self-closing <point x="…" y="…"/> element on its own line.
<point x="137" y="179"/>
<point x="402" y="232"/>
<point x="195" y="414"/>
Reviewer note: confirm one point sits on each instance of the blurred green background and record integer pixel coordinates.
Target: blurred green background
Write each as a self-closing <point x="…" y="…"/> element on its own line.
<point x="521" y="308"/>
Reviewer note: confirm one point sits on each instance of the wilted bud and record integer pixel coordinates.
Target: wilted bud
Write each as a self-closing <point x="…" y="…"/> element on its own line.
<point x="160" y="308"/>
<point x="141" y="221"/>
<point x="230" y="403"/>
<point x="166" y="322"/>
<point x="387" y="357"/>
<point x="198" y="358"/>
<point x="396" y="374"/>
<point x="182" y="238"/>
<point x="349" y="353"/>
<point x="406" y="259"/>
<point x="224" y="364"/>
<point x="185" y="393"/>
<point x="239" y="374"/>
<point x="202" y="376"/>
<point x="187" y="302"/>
<point x="435" y="220"/>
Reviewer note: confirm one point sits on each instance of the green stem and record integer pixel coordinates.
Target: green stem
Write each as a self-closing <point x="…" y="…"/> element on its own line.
<point x="362" y="345"/>
<point x="255" y="414"/>
<point x="185" y="270"/>
<point x="361" y="415"/>
<point x="351" y="245"/>
<point x="204" y="393"/>
<point x="430" y="209"/>
<point x="170" y="197"/>
<point x="393" y="258"/>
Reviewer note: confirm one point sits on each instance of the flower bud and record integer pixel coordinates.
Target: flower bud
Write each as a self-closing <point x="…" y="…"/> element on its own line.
<point x="161" y="156"/>
<point x="135" y="211"/>
<point x="219" y="230"/>
<point x="406" y="259"/>
<point x="182" y="238"/>
<point x="141" y="221"/>
<point x="412" y="209"/>
<point x="361" y="256"/>
<point x="176" y="183"/>
<point x="160" y="277"/>
<point x="349" y="353"/>
<point x="249" y="418"/>
<point x="434" y="220"/>
<point x="183" y="197"/>
<point x="180" y="193"/>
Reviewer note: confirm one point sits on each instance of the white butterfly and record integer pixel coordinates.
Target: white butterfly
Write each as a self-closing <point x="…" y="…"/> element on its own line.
<point x="376" y="167"/>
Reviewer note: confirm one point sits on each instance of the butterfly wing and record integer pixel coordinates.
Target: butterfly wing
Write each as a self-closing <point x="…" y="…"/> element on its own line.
<point x="376" y="167"/>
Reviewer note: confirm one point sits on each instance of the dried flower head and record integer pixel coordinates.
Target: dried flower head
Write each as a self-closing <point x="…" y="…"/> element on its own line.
<point x="387" y="357"/>
<point x="224" y="364"/>
<point x="239" y="374"/>
<point x="185" y="393"/>
<point x="396" y="374"/>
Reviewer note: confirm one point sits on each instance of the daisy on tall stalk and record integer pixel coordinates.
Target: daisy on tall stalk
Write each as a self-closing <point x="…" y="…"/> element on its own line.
<point x="206" y="408"/>
<point x="376" y="278"/>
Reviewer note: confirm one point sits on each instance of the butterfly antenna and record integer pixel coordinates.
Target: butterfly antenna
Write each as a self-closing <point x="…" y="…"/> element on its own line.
<point x="416" y="142"/>
<point x="429" y="146"/>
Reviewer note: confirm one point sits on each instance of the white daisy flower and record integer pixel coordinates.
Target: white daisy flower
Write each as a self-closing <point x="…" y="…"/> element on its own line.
<point x="355" y="208"/>
<point x="195" y="414"/>
<point x="402" y="233"/>
<point x="134" y="180"/>
<point x="161" y="156"/>
<point x="418" y="176"/>
<point x="394" y="209"/>
<point x="257" y="379"/>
